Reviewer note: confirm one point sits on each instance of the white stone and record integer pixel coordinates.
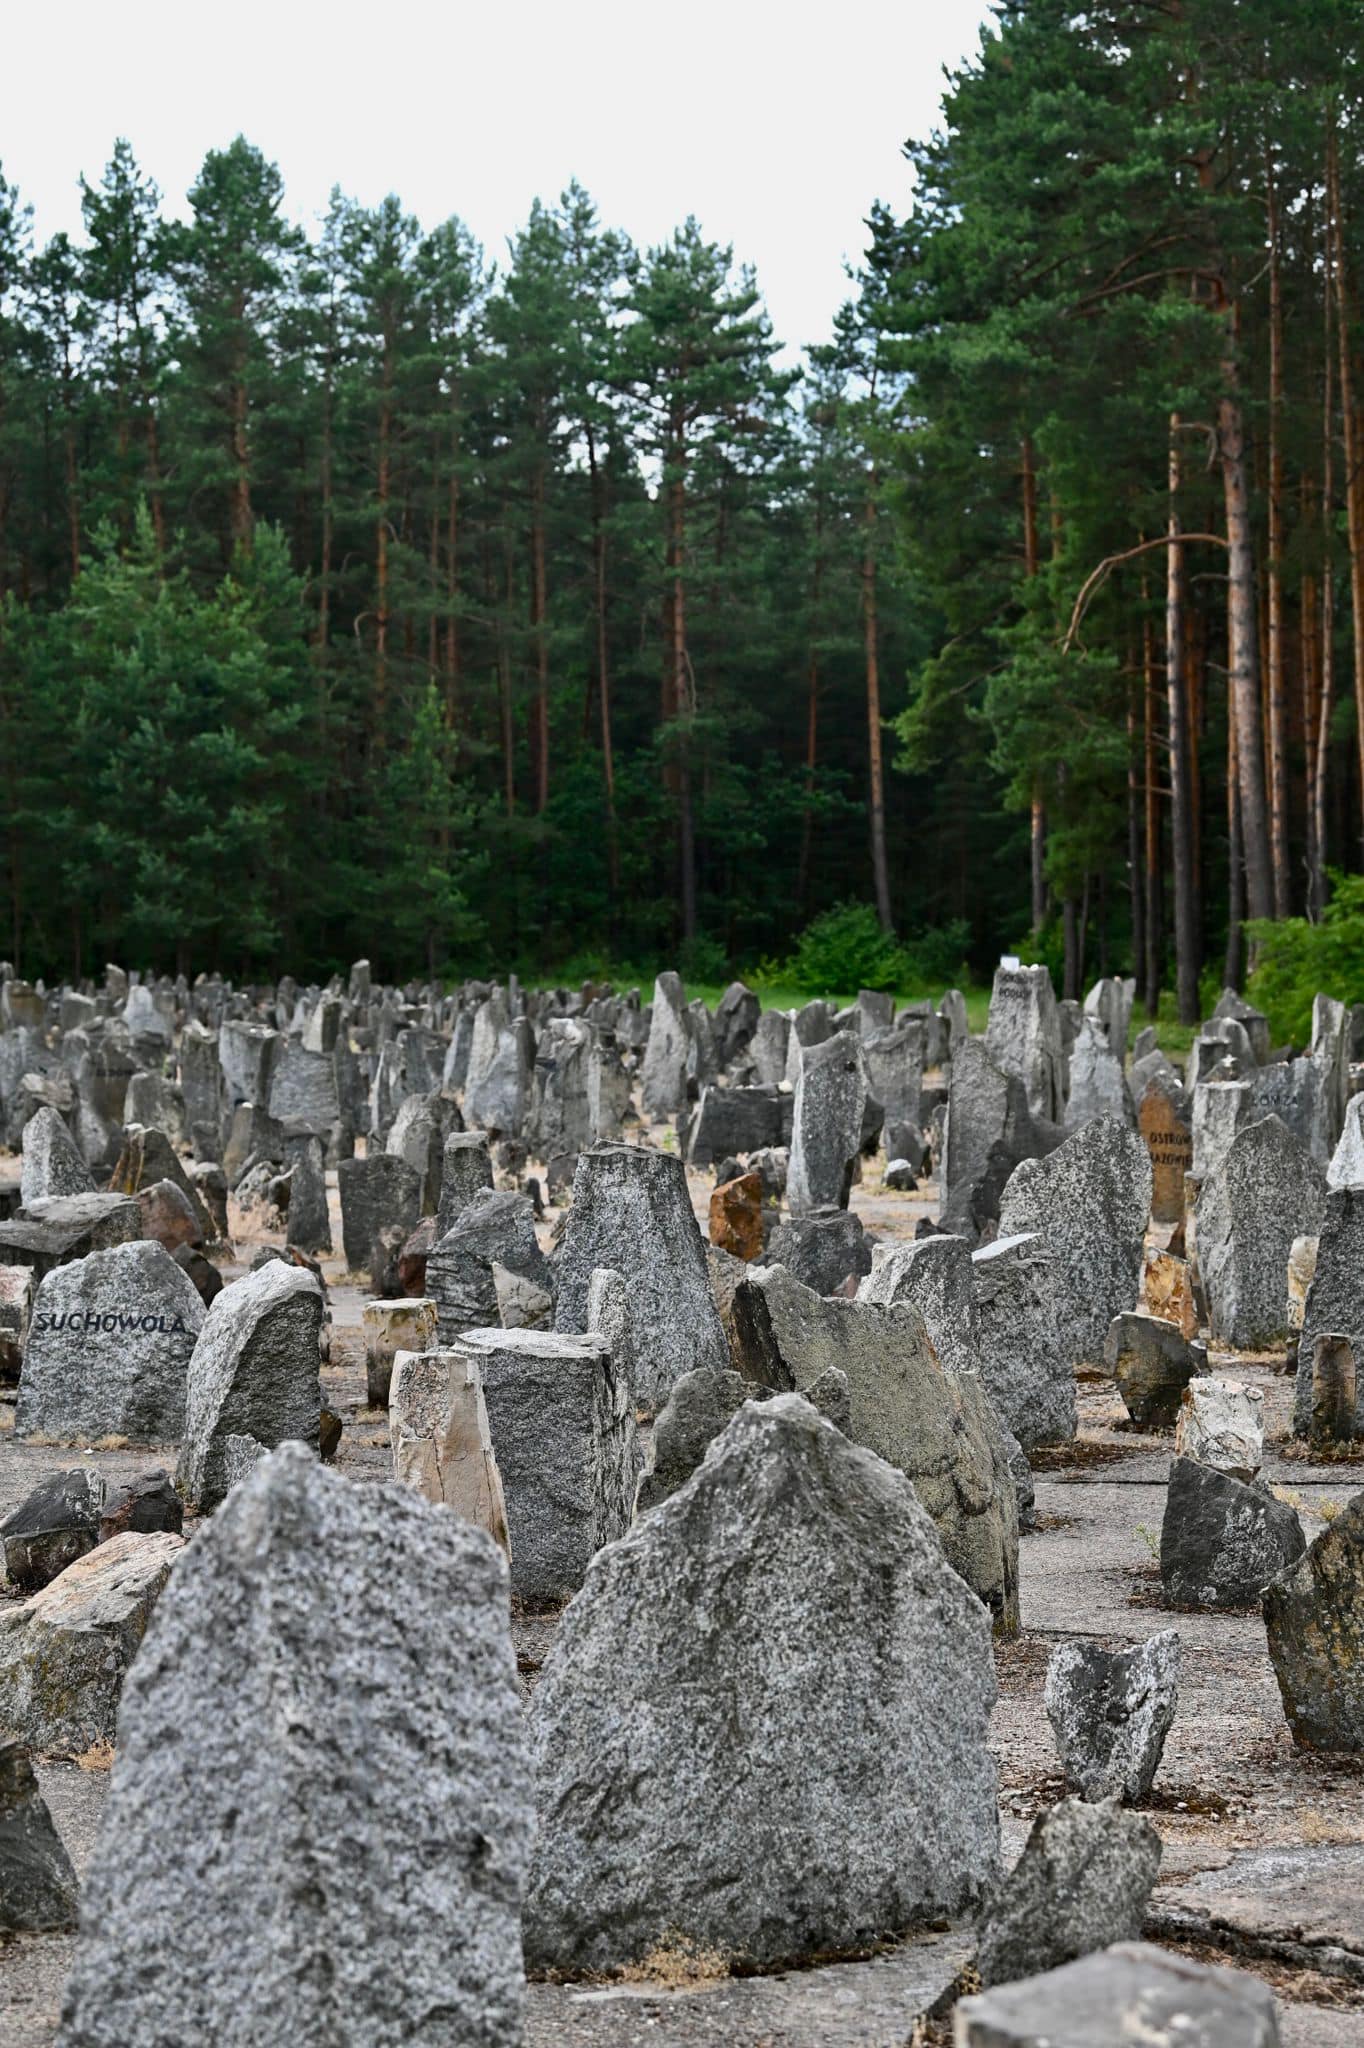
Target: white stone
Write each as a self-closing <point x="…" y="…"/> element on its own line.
<point x="442" y="1447"/>
<point x="1221" y="1423"/>
<point x="1346" y="1169"/>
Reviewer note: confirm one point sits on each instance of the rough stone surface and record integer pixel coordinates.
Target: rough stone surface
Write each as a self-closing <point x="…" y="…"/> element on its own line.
<point x="938" y="1427"/>
<point x="1334" y="1306"/>
<point x="1222" y="1541"/>
<point x="1023" y="1037"/>
<point x="51" y="1527"/>
<point x="308" y="1219"/>
<point x="350" y="1818"/>
<point x="147" y="1505"/>
<point x="935" y="1275"/>
<point x="1022" y="1360"/>
<point x="466" y="1170"/>
<point x="52" y="1161"/>
<point x="497" y="1085"/>
<point x="664" y="1073"/>
<point x="1152" y="1363"/>
<point x="738" y="1121"/>
<point x="375" y="1194"/>
<point x="253" y="1373"/>
<point x="391" y="1327"/>
<point x="1171" y="1292"/>
<point x="699" y="1407"/>
<point x="1267" y="1191"/>
<point x="1082" y="1882"/>
<point x="1346" y="1169"/>
<point x="761" y="1728"/>
<point x="631" y="1212"/>
<point x="65" y="1651"/>
<point x="1221" y="1423"/>
<point x="495" y="1234"/>
<point x="989" y="1130"/>
<point x="442" y="1447"/>
<point x="37" y="1883"/>
<point x="109" y="1348"/>
<point x="1089" y="1202"/>
<point x="736" y="1216"/>
<point x="826" y="1123"/>
<point x="1314" y="1619"/>
<point x="1110" y="1712"/>
<point x="1129" y="1993"/>
<point x="1098" y="1086"/>
<point x="823" y="1249"/>
<point x="563" y="1433"/>
<point x="1163" y="1120"/>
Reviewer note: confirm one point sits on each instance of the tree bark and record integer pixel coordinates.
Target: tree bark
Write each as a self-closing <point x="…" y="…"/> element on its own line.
<point x="1274" y="601"/>
<point x="1243" y="656"/>
<point x="1181" y="785"/>
<point x="1234" y="966"/>
<point x="541" y="638"/>
<point x="1354" y="480"/>
<point x="1151" y="963"/>
<point x="876" y="775"/>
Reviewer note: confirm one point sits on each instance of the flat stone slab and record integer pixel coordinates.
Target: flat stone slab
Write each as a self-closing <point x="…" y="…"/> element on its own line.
<point x="1303" y="1906"/>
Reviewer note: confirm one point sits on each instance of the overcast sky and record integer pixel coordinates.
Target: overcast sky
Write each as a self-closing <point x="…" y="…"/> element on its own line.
<point x="775" y="126"/>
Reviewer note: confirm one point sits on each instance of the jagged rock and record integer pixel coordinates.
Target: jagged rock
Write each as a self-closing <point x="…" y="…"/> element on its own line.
<point x="378" y="1192"/>
<point x="342" y="1774"/>
<point x="203" y="1275"/>
<point x="1110" y="1712"/>
<point x="1346" y="1169"/>
<point x="1334" y="1307"/>
<point x="391" y="1327"/>
<point x="1022" y="1359"/>
<point x="1221" y="1423"/>
<point x="253" y="1374"/>
<point x="65" y="1651"/>
<point x="823" y="1249"/>
<point x="109" y="1348"/>
<point x="563" y="1433"/>
<point x="736" y="1216"/>
<point x="1089" y="1201"/>
<point x="826" y="1123"/>
<point x="937" y="1426"/>
<point x="52" y="1161"/>
<point x="37" y="1883"/>
<point x="1170" y="1292"/>
<point x="1222" y="1541"/>
<point x="1152" y="1365"/>
<point x="442" y="1445"/>
<point x="1314" y="1619"/>
<point x="495" y="1230"/>
<point x="466" y="1170"/>
<point x="631" y="1212"/>
<point x="51" y="1527"/>
<point x="665" y="1815"/>
<point x="699" y="1407"/>
<point x="1128" y="1993"/>
<point x="1023" y="1037"/>
<point x="147" y="1506"/>
<point x="664" y="1072"/>
<point x="1082" y="1881"/>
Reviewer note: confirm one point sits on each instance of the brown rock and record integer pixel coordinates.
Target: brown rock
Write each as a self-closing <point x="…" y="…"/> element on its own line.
<point x="413" y="1256"/>
<point x="736" y="1216"/>
<point x="1170" y="1292"/>
<point x="1169" y="1140"/>
<point x="168" y="1216"/>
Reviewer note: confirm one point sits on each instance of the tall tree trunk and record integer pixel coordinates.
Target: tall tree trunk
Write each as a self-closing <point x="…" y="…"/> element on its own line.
<point x="1354" y="453"/>
<point x="876" y="805"/>
<point x="600" y="622"/>
<point x="1233" y="968"/>
<point x="1136" y="859"/>
<point x="1242" y="652"/>
<point x="677" y="685"/>
<point x="241" y="442"/>
<point x="541" y="637"/>
<point x="1181" y="780"/>
<point x="504" y="690"/>
<point x="381" y="613"/>
<point x="1037" y="838"/>
<point x="1274" y="604"/>
<point x="1150" y="965"/>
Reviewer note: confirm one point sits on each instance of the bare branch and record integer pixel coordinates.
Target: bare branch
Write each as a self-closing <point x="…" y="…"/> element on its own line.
<point x="1111" y="562"/>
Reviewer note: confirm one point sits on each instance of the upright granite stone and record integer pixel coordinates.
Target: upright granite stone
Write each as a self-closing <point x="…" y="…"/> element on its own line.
<point x="309" y="1218"/>
<point x="1022" y="1359"/>
<point x="824" y="1248"/>
<point x="303" y="1089"/>
<point x="442" y="1445"/>
<point x="989" y="1130"/>
<point x="346" y="1869"/>
<point x="935" y="1275"/>
<point x="563" y="1434"/>
<point x="1314" y="1620"/>
<point x="1346" y="1169"/>
<point x="1222" y="1541"/>
<point x="1152" y="1363"/>
<point x="497" y="1087"/>
<point x="938" y="1427"/>
<point x="736" y="1020"/>
<point x="1221" y="1424"/>
<point x="52" y="1161"/>
<point x="391" y="1327"/>
<point x="1089" y="1202"/>
<point x="495" y="1234"/>
<point x="631" y="1211"/>
<point x="1023" y="1037"/>
<point x="826" y="1126"/>
<point x="663" y="1089"/>
<point x="1268" y="1191"/>
<point x="65" y="1651"/>
<point x="895" y="1059"/>
<point x="1110" y="1712"/>
<point x="795" y="1570"/>
<point x="37" y="1884"/>
<point x="1220" y="1110"/>
<point x="1335" y="1308"/>
<point x="771" y="1047"/>
<point x="416" y="1136"/>
<point x="109" y="1348"/>
<point x="253" y="1374"/>
<point x="1098" y="1086"/>
<point x="466" y="1170"/>
<point x="378" y="1193"/>
<point x="1082" y="1881"/>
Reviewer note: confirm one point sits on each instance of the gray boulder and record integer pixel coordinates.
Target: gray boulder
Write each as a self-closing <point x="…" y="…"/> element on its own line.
<point x="65" y="1651"/>
<point x="1222" y="1541"/>
<point x="700" y="1406"/>
<point x="377" y="1194"/>
<point x="109" y="1346"/>
<point x="308" y="1219"/>
<point x="1334" y="1308"/>
<point x="938" y="1427"/>
<point x="663" y="1087"/>
<point x="1023" y="1037"/>
<point x="1267" y="1191"/>
<point x="563" y="1433"/>
<point x="795" y="1570"/>
<point x="1152" y="1363"/>
<point x="823" y="1249"/>
<point x="1128" y="1993"/>
<point x="37" y="1883"/>
<point x="52" y="1162"/>
<point x="1022" y="1359"/>
<point x="324" y="1722"/>
<point x="497" y="1086"/>
<point x="466" y="1170"/>
<point x="989" y="1130"/>
<point x="253" y="1374"/>
<point x="494" y="1236"/>
<point x="1082" y="1882"/>
<point x="51" y="1527"/>
<point x="1314" y="1620"/>
<point x="1110" y="1712"/>
<point x="631" y="1212"/>
<point x="1089" y="1202"/>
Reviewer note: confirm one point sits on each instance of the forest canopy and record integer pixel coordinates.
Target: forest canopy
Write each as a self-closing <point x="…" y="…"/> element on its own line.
<point x="362" y="593"/>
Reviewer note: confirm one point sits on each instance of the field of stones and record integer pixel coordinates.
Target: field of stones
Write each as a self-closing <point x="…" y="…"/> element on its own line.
<point x="542" y="1517"/>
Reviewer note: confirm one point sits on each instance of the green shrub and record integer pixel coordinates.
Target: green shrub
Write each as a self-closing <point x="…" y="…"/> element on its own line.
<point x="703" y="959"/>
<point x="1295" y="960"/>
<point x="936" y="958"/>
<point x="844" y="950"/>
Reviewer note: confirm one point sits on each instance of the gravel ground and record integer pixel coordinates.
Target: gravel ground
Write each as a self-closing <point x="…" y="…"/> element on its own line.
<point x="1231" y="1783"/>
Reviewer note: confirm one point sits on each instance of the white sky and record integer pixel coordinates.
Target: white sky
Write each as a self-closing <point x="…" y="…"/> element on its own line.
<point x="775" y="126"/>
